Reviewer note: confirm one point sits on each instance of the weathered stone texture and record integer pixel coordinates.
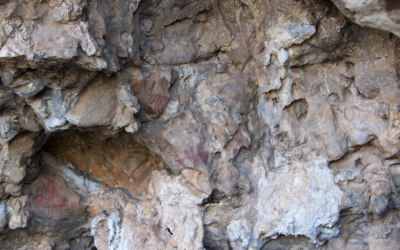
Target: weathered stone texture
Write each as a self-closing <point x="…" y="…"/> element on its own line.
<point x="209" y="124"/>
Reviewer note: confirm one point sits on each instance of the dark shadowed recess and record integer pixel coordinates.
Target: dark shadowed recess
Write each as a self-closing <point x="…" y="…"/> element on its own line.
<point x="114" y="160"/>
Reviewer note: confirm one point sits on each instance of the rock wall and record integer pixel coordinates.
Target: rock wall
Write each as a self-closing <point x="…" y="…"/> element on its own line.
<point x="208" y="124"/>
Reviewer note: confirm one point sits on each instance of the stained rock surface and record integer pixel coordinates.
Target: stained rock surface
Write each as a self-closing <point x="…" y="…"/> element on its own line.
<point x="208" y="124"/>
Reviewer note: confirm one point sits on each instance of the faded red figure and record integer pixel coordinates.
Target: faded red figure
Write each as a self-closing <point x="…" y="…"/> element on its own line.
<point x="241" y="139"/>
<point x="53" y="199"/>
<point x="156" y="101"/>
<point x="194" y="156"/>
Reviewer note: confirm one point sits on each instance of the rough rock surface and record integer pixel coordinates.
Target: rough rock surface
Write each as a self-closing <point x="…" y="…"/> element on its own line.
<point x="208" y="124"/>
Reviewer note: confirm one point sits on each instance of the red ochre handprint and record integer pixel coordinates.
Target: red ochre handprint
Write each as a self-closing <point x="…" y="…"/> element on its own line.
<point x="195" y="157"/>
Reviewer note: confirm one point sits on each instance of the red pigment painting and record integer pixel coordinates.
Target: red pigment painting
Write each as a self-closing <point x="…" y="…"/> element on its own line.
<point x="155" y="104"/>
<point x="194" y="156"/>
<point x="157" y="99"/>
<point x="52" y="199"/>
<point x="240" y="140"/>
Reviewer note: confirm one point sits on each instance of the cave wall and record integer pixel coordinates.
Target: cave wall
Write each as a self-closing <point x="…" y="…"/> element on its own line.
<point x="209" y="124"/>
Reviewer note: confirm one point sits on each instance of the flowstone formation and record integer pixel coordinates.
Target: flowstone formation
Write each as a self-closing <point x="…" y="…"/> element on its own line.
<point x="199" y="124"/>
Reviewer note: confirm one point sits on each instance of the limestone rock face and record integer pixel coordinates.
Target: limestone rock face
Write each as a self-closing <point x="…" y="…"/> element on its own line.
<point x="208" y="124"/>
<point x="380" y="14"/>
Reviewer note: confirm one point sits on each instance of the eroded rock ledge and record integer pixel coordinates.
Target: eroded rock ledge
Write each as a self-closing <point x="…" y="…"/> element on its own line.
<point x="211" y="124"/>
